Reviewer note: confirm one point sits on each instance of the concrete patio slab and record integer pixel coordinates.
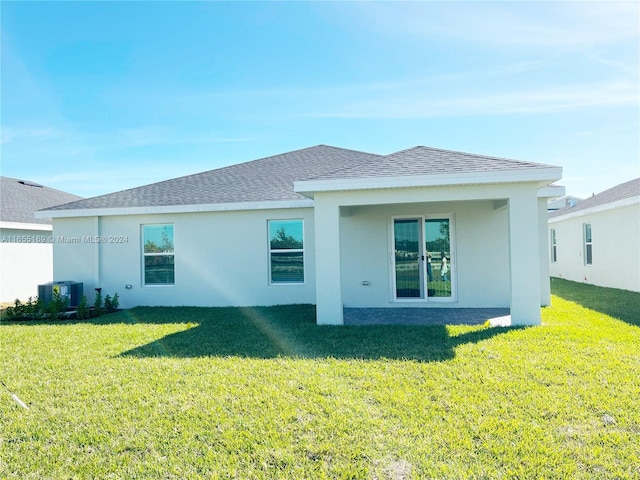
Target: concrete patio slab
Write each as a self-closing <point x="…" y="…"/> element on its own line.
<point x="426" y="316"/>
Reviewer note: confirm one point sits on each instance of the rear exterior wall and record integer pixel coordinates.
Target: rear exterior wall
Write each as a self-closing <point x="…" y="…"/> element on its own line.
<point x="221" y="258"/>
<point x="479" y="244"/>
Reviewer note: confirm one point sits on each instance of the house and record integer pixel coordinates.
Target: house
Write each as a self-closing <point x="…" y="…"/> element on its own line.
<point x="563" y="201"/>
<point x="26" y="251"/>
<point x="419" y="228"/>
<point x="597" y="241"/>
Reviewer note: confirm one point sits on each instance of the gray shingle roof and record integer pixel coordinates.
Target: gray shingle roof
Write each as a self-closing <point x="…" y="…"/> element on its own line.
<point x="266" y="179"/>
<point x="429" y="161"/>
<point x="272" y="178"/>
<point x="19" y="199"/>
<point x="619" y="192"/>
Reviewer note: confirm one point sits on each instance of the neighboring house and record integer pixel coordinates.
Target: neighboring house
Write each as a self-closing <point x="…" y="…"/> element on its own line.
<point x="338" y="228"/>
<point x="26" y="251"/>
<point x="597" y="241"/>
<point x="564" y="201"/>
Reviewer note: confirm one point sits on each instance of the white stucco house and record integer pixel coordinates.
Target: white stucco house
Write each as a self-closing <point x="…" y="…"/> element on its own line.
<point x="26" y="248"/>
<point x="420" y="228"/>
<point x="597" y="241"/>
<point x="563" y="201"/>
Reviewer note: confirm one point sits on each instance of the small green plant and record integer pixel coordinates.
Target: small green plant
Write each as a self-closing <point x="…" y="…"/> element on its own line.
<point x="32" y="309"/>
<point x="13" y="312"/>
<point x="57" y="306"/>
<point x="98" y="309"/>
<point x="111" y="303"/>
<point x="82" y="311"/>
<point x="19" y="309"/>
<point x="36" y="309"/>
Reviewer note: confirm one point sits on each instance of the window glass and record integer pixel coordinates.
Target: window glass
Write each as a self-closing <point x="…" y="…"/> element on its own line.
<point x="287" y="267"/>
<point x="286" y="251"/>
<point x="554" y="250"/>
<point x="438" y="256"/>
<point x="158" y="252"/>
<point x="406" y="233"/>
<point x="158" y="238"/>
<point x="588" y="247"/>
<point x="285" y="234"/>
<point x="159" y="270"/>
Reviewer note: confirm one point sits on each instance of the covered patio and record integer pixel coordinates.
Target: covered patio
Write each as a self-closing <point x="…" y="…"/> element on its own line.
<point x="425" y="316"/>
<point x="374" y="242"/>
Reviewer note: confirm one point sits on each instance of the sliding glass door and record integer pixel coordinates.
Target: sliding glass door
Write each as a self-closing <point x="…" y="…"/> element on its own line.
<point x="423" y="266"/>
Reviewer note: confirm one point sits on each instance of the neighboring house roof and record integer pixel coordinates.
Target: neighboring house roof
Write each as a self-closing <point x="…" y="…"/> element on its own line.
<point x="19" y="199"/>
<point x="620" y="192"/>
<point x="273" y="178"/>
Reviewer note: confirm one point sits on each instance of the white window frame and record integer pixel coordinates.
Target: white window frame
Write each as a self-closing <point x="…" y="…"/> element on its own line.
<point x="286" y="250"/>
<point x="553" y="250"/>
<point x="452" y="261"/>
<point x="158" y="254"/>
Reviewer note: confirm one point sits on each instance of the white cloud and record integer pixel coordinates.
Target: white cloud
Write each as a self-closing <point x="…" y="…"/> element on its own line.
<point x="423" y="104"/>
<point x="36" y="133"/>
<point x="508" y="24"/>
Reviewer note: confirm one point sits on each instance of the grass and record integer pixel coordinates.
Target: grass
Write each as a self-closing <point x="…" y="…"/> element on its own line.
<point x="264" y="393"/>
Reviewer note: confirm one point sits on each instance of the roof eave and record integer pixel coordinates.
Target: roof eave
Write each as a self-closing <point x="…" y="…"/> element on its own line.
<point x="45" y="227"/>
<point x="581" y="212"/>
<point x="551" y="192"/>
<point x="159" y="209"/>
<point x="542" y="176"/>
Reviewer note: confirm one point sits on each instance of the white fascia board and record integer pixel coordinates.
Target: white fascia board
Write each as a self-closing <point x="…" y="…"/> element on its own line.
<point x="551" y="191"/>
<point x="543" y="175"/>
<point x="26" y="226"/>
<point x="150" y="210"/>
<point x="627" y="202"/>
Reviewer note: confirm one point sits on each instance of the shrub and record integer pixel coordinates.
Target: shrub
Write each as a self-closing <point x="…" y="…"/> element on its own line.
<point x="36" y="309"/>
<point x="83" y="312"/>
<point x="111" y="304"/>
<point x="32" y="309"/>
<point x="97" y="303"/>
<point x="57" y="306"/>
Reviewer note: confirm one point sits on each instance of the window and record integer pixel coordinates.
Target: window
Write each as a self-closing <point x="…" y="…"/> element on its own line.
<point x="286" y="251"/>
<point x="554" y="246"/>
<point x="158" y="253"/>
<point x="588" y="247"/>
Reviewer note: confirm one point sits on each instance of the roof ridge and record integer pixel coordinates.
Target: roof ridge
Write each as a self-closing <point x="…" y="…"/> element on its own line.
<point x="469" y="154"/>
<point x="352" y="166"/>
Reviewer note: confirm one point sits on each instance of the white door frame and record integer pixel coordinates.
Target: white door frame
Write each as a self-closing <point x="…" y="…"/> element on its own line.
<point x="424" y="298"/>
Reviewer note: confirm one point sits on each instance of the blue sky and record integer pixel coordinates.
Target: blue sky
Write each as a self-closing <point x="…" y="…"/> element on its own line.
<point x="102" y="96"/>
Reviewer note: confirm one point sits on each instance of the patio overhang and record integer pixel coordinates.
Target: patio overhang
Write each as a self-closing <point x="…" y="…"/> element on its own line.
<point x="525" y="207"/>
<point x="542" y="176"/>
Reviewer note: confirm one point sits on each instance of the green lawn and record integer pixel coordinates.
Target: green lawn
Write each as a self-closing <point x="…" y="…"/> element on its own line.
<point x="264" y="393"/>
